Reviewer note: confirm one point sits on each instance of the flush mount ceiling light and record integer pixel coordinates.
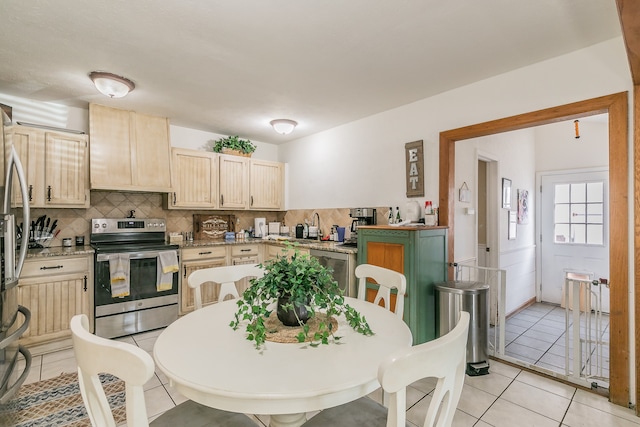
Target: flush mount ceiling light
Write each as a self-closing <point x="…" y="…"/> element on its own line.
<point x="111" y="85"/>
<point x="283" y="126"/>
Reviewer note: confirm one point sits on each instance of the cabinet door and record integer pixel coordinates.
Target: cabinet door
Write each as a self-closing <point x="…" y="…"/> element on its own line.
<point x="273" y="251"/>
<point x="195" y="179"/>
<point x="110" y="148"/>
<point x="53" y="302"/>
<point x="28" y="143"/>
<point x="387" y="255"/>
<point x="152" y="155"/>
<point x="234" y="175"/>
<point x="266" y="185"/>
<point x="209" y="291"/>
<point x="65" y="170"/>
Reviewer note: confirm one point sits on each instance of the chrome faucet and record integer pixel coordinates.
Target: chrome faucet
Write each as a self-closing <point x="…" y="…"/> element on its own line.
<point x="313" y="222"/>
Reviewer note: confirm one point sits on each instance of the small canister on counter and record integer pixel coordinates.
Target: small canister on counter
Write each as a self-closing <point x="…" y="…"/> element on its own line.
<point x="79" y="240"/>
<point x="66" y="242"/>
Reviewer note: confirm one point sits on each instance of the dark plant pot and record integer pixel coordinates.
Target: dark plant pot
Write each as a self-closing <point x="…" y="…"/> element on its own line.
<point x="288" y="316"/>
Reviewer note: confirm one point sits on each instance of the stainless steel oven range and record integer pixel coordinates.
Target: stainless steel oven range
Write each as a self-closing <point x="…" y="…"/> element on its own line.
<point x="145" y="308"/>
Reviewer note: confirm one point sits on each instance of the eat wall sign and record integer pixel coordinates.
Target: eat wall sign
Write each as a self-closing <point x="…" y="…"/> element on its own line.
<point x="414" y="156"/>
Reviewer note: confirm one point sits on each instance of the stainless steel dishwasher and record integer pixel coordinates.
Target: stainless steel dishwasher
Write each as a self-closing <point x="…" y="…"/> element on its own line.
<point x="342" y="269"/>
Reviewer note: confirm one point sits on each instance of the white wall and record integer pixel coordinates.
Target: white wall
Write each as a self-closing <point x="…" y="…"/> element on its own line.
<point x="362" y="163"/>
<point x="558" y="149"/>
<point x="197" y="140"/>
<point x="47" y="113"/>
<point x="515" y="154"/>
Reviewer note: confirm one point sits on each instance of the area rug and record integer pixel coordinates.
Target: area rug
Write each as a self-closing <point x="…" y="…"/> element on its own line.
<point x="57" y="402"/>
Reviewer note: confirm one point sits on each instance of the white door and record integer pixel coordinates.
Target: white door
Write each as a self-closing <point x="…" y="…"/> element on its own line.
<point x="574" y="230"/>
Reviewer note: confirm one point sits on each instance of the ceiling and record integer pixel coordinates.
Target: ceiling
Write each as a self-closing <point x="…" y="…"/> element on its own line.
<point x="229" y="67"/>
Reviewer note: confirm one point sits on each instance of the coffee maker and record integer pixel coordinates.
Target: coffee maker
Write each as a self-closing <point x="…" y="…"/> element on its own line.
<point x="359" y="216"/>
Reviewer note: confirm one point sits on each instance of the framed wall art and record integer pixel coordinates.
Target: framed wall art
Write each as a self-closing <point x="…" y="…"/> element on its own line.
<point x="506" y="193"/>
<point x="523" y="206"/>
<point x="414" y="156"/>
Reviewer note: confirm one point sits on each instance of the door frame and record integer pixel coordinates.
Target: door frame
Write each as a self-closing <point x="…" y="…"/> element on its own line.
<point x="616" y="105"/>
<point x="493" y="223"/>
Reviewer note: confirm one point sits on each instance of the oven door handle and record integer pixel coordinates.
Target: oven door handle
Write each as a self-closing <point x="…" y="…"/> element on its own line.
<point x="132" y="255"/>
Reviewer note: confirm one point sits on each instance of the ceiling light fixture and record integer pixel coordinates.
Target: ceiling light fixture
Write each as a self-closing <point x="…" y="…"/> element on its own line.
<point x="111" y="85"/>
<point x="283" y="126"/>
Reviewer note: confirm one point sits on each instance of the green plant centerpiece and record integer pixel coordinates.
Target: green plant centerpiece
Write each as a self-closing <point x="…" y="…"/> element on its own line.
<point x="234" y="143"/>
<point x="302" y="288"/>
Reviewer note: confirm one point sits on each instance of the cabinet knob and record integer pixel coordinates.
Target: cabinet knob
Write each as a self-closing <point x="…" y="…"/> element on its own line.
<point x="30" y="192"/>
<point x="174" y="198"/>
<point x="48" y="193"/>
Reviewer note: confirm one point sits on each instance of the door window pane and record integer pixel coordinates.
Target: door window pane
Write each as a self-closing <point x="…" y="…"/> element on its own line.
<point x="579" y="213"/>
<point x="562" y="193"/>
<point x="562" y="233"/>
<point x="578" y="193"/>
<point x="562" y="213"/>
<point x="595" y="192"/>
<point x="594" y="213"/>
<point x="578" y="233"/>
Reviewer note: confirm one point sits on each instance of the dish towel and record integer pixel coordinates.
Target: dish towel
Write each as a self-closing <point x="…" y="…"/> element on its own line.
<point x="168" y="264"/>
<point x="119" y="273"/>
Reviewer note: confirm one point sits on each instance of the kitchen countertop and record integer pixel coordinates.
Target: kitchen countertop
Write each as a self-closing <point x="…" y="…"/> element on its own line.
<point x="411" y="227"/>
<point x="59" y="251"/>
<point x="55" y="251"/>
<point x="302" y="243"/>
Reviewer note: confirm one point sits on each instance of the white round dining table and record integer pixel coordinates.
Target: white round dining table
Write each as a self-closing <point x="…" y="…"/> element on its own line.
<point x="210" y="363"/>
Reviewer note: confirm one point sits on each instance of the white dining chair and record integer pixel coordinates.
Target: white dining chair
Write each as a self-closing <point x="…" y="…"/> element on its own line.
<point x="386" y="280"/>
<point x="226" y="276"/>
<point x="135" y="367"/>
<point x="443" y="358"/>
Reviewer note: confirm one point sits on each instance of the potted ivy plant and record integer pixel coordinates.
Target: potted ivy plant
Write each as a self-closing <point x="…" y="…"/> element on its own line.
<point x="234" y="145"/>
<point x="298" y="288"/>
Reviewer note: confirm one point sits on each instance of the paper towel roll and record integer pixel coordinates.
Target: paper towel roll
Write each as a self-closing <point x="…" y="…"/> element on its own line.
<point x="260" y="227"/>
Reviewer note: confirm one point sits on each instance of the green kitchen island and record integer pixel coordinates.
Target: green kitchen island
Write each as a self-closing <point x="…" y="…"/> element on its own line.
<point x="420" y="253"/>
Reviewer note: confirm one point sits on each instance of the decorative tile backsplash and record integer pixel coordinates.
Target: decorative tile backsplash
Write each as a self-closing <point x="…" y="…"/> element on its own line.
<point x="116" y="204"/>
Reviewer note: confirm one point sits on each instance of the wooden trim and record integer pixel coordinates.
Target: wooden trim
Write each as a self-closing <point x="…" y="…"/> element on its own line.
<point x="636" y="222"/>
<point x="616" y="106"/>
<point x="629" y="13"/>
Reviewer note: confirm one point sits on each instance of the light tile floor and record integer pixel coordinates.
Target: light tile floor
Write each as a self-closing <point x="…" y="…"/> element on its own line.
<point x="537" y="335"/>
<point x="507" y="396"/>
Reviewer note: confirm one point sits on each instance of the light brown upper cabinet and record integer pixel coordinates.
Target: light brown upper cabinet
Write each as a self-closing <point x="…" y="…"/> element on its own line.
<point x="195" y="179"/>
<point x="266" y="185"/>
<point x="55" y="165"/>
<point x="234" y="179"/>
<point x="129" y="151"/>
<point x="206" y="180"/>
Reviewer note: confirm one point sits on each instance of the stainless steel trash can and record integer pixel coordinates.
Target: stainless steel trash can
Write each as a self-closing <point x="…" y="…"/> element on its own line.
<point x="472" y="297"/>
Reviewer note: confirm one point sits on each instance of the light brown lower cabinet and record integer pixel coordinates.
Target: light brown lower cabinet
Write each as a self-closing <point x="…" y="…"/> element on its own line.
<point x="55" y="289"/>
<point x="196" y="259"/>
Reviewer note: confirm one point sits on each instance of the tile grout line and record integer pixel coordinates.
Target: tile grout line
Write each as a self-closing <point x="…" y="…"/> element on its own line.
<point x="496" y="399"/>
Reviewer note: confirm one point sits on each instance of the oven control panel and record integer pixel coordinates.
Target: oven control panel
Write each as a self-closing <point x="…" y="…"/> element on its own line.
<point x="127" y="225"/>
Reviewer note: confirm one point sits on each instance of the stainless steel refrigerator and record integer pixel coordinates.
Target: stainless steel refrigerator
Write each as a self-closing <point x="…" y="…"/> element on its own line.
<point x="14" y="319"/>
